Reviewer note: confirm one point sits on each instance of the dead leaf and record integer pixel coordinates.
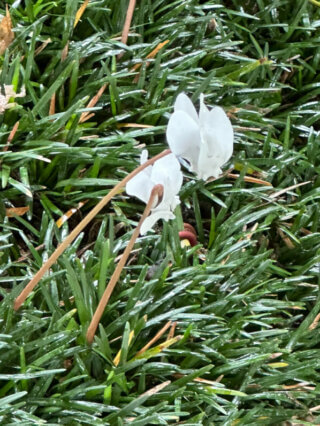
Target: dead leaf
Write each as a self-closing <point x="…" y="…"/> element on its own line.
<point x="80" y="12"/>
<point x="6" y="33"/>
<point x="69" y="213"/>
<point x="16" y="211"/>
<point x="314" y="322"/>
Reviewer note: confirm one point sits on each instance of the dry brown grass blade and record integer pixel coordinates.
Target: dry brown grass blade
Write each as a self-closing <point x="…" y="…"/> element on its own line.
<point x="289" y="188"/>
<point x="11" y="136"/>
<point x="313" y="409"/>
<point x="127" y="24"/>
<point x="65" y="52"/>
<point x="80" y="12"/>
<point x="39" y="49"/>
<point x="151" y="55"/>
<point x="205" y="381"/>
<point x="157" y="191"/>
<point x="249" y="179"/>
<point x="314" y="323"/>
<point x="26" y="255"/>
<point x="87" y="115"/>
<point x="66" y="216"/>
<point x="42" y="46"/>
<point x="155" y="338"/>
<point x="172" y="330"/>
<point x="6" y="33"/>
<point x="156" y="389"/>
<point x="76" y="231"/>
<point x="247" y="129"/>
<point x="52" y="108"/>
<point x="286" y="239"/>
<point x="200" y="380"/>
<point x="252" y="231"/>
<point x="303" y="385"/>
<point x="134" y="125"/>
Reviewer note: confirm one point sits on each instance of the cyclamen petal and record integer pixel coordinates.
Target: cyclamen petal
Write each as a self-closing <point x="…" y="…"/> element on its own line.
<point x="140" y="186"/>
<point x="184" y="138"/>
<point x="183" y="103"/>
<point x="205" y="141"/>
<point x="166" y="171"/>
<point x="153" y="218"/>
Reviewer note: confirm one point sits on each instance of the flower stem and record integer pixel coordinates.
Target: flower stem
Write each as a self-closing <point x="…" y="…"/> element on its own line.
<point x="76" y="231"/>
<point x="157" y="191"/>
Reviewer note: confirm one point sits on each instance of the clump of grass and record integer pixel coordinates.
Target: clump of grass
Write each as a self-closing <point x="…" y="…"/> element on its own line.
<point x="225" y="332"/>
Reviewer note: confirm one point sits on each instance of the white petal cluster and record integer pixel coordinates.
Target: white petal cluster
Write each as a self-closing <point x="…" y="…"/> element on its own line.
<point x="204" y="140"/>
<point x="165" y="171"/>
<point x="8" y="94"/>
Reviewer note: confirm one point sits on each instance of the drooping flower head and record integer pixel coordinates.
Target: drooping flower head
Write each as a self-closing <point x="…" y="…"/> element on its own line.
<point x="204" y="140"/>
<point x="166" y="172"/>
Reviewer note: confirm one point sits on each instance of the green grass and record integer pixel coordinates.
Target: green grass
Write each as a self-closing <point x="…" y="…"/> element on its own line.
<point x="245" y="299"/>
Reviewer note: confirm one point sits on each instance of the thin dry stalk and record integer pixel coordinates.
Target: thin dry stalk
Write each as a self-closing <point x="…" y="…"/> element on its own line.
<point x="156" y="192"/>
<point x="42" y="46"/>
<point x="11" y="136"/>
<point x="151" y="55"/>
<point x="155" y="338"/>
<point x="289" y="188"/>
<point x="249" y="179"/>
<point x="172" y="330"/>
<point x="156" y="389"/>
<point x="127" y="24"/>
<point x="73" y="234"/>
<point x="87" y="115"/>
<point x="25" y="256"/>
<point x="135" y="125"/>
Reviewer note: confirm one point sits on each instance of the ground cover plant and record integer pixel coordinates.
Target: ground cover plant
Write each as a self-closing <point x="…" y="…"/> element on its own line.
<point x="225" y="332"/>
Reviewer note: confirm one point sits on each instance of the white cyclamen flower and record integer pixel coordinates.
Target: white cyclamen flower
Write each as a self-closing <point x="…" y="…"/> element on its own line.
<point x="165" y="171"/>
<point x="204" y="140"/>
